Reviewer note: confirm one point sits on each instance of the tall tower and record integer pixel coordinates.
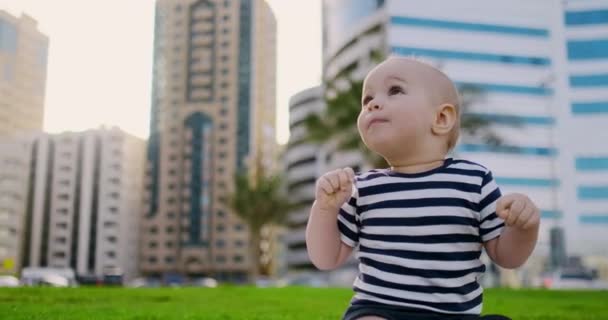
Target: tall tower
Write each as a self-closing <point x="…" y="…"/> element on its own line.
<point x="23" y="60"/>
<point x="213" y="107"/>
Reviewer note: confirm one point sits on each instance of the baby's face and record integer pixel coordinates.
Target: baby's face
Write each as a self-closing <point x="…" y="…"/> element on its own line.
<point x="397" y="110"/>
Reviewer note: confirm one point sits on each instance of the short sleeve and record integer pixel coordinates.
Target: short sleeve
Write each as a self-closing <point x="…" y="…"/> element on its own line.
<point x="348" y="221"/>
<point x="490" y="225"/>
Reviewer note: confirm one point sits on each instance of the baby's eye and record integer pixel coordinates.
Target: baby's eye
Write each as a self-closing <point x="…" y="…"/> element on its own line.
<point x="395" y="90"/>
<point x="366" y="100"/>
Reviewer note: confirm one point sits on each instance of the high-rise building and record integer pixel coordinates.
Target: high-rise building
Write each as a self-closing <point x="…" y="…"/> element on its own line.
<point x="538" y="70"/>
<point x="84" y="202"/>
<point x="14" y="190"/>
<point x="302" y="161"/>
<point x="23" y="63"/>
<point x="213" y="115"/>
<point x="584" y="166"/>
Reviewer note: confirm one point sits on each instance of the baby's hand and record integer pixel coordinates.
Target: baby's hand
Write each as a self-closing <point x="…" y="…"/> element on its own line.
<point x="517" y="210"/>
<point x="334" y="189"/>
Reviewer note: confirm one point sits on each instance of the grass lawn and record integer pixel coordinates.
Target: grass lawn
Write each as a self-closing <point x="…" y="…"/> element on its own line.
<point x="266" y="303"/>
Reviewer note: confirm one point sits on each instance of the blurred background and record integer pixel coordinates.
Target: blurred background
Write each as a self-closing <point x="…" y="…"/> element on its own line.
<point x="177" y="142"/>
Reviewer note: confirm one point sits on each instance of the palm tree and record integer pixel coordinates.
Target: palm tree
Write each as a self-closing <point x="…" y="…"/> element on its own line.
<point x="259" y="201"/>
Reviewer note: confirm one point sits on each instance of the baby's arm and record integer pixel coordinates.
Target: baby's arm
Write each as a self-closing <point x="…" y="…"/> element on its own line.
<point x="323" y="243"/>
<point x="518" y="238"/>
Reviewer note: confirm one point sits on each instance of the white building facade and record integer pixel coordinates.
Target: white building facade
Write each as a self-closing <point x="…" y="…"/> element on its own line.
<point x="85" y="202"/>
<point x="540" y="72"/>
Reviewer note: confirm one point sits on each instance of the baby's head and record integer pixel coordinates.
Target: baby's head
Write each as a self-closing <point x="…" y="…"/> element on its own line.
<point x="410" y="111"/>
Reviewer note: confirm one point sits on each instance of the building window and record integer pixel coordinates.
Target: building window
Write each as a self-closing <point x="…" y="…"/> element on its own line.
<point x="220" y="243"/>
<point x="239" y="227"/>
<point x="170" y="229"/>
<point x="220" y="259"/>
<point x="152" y="260"/>
<point x="239" y="243"/>
<point x="111" y="254"/>
<point x="220" y="228"/>
<point x="169" y="244"/>
<point x="153" y="230"/>
<point x="238" y="258"/>
<point x="169" y="260"/>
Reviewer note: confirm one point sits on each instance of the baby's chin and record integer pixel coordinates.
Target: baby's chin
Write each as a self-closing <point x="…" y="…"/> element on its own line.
<point x="385" y="147"/>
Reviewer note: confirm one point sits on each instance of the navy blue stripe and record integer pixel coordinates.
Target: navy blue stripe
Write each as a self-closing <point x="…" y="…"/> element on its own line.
<point x="420" y="221"/>
<point x="406" y="186"/>
<point x="423" y="255"/>
<point x="423" y="273"/>
<point x="462" y="290"/>
<point x="489" y="199"/>
<point x="435" y="238"/>
<point x="349" y="217"/>
<point x="419" y="203"/>
<point x="489" y="217"/>
<point x="486" y="179"/>
<point x="483" y="231"/>
<point x="347" y="232"/>
<point x="447" y="306"/>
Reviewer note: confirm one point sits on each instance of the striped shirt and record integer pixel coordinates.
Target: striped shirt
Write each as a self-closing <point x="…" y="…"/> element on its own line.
<point x="420" y="236"/>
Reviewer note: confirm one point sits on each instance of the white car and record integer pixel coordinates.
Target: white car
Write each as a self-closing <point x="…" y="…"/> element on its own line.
<point x="9" y="281"/>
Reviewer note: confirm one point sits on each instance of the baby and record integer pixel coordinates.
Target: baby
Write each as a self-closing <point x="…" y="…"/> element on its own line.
<point x="421" y="224"/>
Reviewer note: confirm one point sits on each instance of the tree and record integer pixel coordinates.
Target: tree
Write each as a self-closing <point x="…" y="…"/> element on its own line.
<point x="259" y="201"/>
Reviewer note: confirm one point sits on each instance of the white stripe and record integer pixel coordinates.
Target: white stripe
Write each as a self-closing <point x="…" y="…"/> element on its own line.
<point x="363" y="296"/>
<point x="419" y="212"/>
<point x="418" y="194"/>
<point x="421" y="230"/>
<point x="493" y="223"/>
<point x="433" y="177"/>
<point x="419" y="281"/>
<point x="422" y="264"/>
<point x="492" y="235"/>
<point x="422" y="247"/>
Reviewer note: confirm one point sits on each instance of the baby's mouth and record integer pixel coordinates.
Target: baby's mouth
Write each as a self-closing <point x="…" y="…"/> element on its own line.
<point x="376" y="121"/>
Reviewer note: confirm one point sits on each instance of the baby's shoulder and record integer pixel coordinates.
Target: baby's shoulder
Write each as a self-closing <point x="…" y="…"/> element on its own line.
<point x="465" y="164"/>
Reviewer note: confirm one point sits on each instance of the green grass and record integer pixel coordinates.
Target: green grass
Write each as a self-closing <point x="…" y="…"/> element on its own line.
<point x="267" y="303"/>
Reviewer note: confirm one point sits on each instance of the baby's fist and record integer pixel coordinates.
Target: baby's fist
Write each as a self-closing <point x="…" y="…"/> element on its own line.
<point x="334" y="188"/>
<point x="517" y="210"/>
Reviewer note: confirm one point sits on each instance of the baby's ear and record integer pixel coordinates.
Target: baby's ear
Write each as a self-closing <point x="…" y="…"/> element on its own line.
<point x="445" y="119"/>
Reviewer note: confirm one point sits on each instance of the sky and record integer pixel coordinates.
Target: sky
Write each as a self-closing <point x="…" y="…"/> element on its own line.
<point x="100" y="59"/>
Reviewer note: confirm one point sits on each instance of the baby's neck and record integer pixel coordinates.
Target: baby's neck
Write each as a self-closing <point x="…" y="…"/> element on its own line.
<point x="416" y="166"/>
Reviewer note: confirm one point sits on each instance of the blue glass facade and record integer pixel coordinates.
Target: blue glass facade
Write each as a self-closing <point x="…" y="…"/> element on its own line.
<point x="468" y="26"/>
<point x="244" y="94"/>
<point x="200" y="179"/>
